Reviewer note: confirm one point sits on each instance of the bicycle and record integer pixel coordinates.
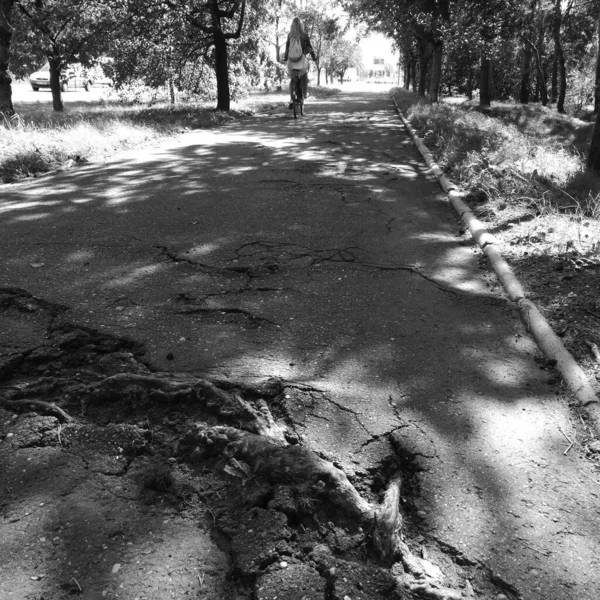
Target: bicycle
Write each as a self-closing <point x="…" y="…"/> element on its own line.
<point x="297" y="99"/>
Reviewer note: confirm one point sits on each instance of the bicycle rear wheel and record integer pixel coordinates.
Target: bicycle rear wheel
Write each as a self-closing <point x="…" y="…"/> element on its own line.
<point x="299" y="94"/>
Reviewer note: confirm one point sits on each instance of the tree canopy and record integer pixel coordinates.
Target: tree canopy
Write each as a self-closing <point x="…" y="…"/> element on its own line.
<point x="534" y="50"/>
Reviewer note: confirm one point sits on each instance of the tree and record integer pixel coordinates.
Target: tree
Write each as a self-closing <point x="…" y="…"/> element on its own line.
<point x="561" y="74"/>
<point x="279" y="14"/>
<point x="6" y="106"/>
<point x="322" y="28"/>
<point x="219" y="22"/>
<point x="527" y="27"/>
<point x="340" y="55"/>
<point x="597" y="87"/>
<point x="593" y="160"/>
<point x="68" y="31"/>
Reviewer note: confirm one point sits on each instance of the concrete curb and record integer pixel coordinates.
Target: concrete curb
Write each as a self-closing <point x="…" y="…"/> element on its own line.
<point x="537" y="325"/>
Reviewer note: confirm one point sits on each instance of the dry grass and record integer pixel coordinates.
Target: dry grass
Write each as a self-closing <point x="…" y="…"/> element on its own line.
<point x="38" y="141"/>
<point x="521" y="155"/>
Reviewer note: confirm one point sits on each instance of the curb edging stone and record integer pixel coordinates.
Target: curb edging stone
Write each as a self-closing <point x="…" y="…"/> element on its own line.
<point x="535" y="322"/>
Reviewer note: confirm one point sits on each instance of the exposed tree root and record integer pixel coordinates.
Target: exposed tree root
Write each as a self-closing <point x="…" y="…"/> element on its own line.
<point x="293" y="464"/>
<point x="277" y="463"/>
<point x="46" y="408"/>
<point x="254" y="417"/>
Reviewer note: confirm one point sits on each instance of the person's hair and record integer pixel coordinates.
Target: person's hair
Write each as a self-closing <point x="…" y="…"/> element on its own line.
<point x="296" y="28"/>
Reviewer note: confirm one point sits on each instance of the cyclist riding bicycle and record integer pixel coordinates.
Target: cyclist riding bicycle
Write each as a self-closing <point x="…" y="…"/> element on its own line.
<point x="296" y="48"/>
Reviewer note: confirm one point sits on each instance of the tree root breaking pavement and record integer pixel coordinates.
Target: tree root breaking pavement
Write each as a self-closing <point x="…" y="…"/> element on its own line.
<point x="223" y="454"/>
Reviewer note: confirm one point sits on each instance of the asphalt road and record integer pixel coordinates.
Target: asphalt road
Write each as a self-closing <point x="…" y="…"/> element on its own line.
<point x="321" y="252"/>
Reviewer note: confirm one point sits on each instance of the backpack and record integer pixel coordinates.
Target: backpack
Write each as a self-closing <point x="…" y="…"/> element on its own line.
<point x="295" y="51"/>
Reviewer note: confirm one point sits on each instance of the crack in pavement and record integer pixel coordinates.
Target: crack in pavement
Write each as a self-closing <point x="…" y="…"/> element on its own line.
<point x="380" y="211"/>
<point x="321" y="395"/>
<point x="417" y="271"/>
<point x="209" y="269"/>
<point x="376" y="437"/>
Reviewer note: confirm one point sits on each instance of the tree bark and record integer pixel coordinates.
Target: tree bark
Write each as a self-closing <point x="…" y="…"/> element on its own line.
<point x="6" y="105"/>
<point x="219" y="40"/>
<point x="422" y="68"/>
<point x="525" y="91"/>
<point x="560" y="58"/>
<point x="485" y="92"/>
<point x="436" y="71"/>
<point x="593" y="161"/>
<point x="539" y="53"/>
<point x="597" y="94"/>
<point x="55" y="71"/>
<point x="554" y="82"/>
<point x="222" y="72"/>
<point x="470" y="77"/>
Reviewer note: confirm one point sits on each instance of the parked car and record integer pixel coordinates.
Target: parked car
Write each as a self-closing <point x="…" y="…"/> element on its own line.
<point x="97" y="74"/>
<point x="71" y="78"/>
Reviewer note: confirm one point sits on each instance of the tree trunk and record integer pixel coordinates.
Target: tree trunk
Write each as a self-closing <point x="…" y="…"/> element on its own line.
<point x="422" y="69"/>
<point x="525" y="92"/>
<point x="593" y="161"/>
<point x="436" y="72"/>
<point x="171" y="79"/>
<point x="6" y="105"/>
<point x="413" y="75"/>
<point x="222" y="72"/>
<point x="470" y="77"/>
<point x="55" y="70"/>
<point x="277" y="42"/>
<point x="597" y="94"/>
<point x="541" y="91"/>
<point x="485" y="92"/>
<point x="171" y="90"/>
<point x="542" y="80"/>
<point x="560" y="58"/>
<point x="554" y="82"/>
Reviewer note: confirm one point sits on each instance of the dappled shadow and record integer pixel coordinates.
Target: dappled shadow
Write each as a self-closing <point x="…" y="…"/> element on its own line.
<point x="564" y="129"/>
<point x="318" y="251"/>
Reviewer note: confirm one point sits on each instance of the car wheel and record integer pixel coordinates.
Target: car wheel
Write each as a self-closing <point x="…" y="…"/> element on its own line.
<point x="64" y="86"/>
<point x="35" y="88"/>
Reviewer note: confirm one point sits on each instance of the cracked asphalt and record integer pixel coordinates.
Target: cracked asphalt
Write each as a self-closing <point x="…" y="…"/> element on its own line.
<point x="321" y="252"/>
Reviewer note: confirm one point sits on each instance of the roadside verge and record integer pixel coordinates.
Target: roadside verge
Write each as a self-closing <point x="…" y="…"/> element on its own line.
<point x="535" y="322"/>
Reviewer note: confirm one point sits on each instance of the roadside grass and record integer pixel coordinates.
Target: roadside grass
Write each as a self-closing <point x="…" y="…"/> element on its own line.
<point x="524" y="170"/>
<point x="38" y="140"/>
